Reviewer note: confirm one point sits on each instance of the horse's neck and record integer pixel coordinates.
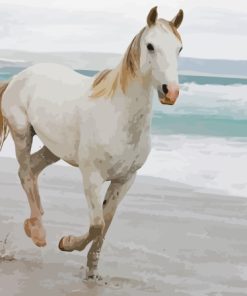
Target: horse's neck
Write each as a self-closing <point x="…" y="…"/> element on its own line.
<point x="137" y="97"/>
<point x="136" y="106"/>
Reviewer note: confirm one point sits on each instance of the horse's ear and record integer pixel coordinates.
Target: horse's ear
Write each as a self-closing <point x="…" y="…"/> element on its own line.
<point x="152" y="16"/>
<point x="177" y="20"/>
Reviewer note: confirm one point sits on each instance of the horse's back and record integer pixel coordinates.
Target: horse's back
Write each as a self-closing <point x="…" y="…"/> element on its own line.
<point x="44" y="83"/>
<point x="52" y="70"/>
<point x="54" y="75"/>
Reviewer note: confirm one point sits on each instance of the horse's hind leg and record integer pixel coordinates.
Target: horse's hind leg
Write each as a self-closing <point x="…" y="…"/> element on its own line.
<point x="22" y="135"/>
<point x="39" y="161"/>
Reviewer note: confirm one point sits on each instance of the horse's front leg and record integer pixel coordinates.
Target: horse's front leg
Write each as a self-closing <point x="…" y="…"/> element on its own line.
<point x="92" y="184"/>
<point x="114" y="195"/>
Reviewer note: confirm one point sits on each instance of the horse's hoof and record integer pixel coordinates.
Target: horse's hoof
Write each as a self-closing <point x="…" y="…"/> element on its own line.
<point x="39" y="244"/>
<point x="93" y="276"/>
<point x="27" y="228"/>
<point x="61" y="245"/>
<point x="34" y="229"/>
<point x="96" y="277"/>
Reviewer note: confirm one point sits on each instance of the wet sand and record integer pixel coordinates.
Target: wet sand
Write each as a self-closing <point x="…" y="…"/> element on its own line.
<point x="166" y="239"/>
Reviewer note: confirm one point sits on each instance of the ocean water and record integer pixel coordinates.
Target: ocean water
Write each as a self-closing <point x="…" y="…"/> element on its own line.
<point x="202" y="140"/>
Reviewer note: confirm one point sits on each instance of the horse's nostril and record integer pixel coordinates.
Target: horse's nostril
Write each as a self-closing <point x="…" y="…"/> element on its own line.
<point x="165" y="89"/>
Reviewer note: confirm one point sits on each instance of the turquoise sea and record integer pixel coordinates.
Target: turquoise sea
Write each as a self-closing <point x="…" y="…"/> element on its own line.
<point x="203" y="110"/>
<point x="201" y="140"/>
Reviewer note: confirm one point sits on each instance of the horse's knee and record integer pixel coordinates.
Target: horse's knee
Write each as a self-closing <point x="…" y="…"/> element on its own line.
<point x="25" y="175"/>
<point x="21" y="174"/>
<point x="97" y="229"/>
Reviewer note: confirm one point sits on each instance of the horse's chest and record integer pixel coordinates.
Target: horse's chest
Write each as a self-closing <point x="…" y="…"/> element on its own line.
<point x="129" y="158"/>
<point x="119" y="142"/>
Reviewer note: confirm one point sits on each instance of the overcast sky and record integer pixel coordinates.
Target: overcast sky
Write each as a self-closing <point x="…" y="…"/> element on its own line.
<point x="211" y="28"/>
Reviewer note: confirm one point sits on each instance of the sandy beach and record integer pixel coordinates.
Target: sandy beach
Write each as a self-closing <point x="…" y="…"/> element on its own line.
<point x="166" y="239"/>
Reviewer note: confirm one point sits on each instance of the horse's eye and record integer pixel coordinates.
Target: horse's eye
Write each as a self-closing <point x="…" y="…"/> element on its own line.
<point x="150" y="47"/>
<point x="180" y="49"/>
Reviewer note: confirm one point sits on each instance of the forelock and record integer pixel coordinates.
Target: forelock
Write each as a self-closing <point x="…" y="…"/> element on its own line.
<point x="169" y="27"/>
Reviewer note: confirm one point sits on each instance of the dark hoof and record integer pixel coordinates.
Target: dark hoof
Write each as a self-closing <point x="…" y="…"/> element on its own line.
<point x="61" y="245"/>
<point x="95" y="277"/>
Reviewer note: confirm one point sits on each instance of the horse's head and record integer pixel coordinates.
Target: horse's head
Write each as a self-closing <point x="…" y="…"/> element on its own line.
<point x="160" y="47"/>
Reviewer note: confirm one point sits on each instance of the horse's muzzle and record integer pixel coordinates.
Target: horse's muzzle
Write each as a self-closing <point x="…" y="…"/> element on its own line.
<point x="168" y="94"/>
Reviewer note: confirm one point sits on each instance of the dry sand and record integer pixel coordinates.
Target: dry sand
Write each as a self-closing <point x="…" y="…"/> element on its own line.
<point x="166" y="239"/>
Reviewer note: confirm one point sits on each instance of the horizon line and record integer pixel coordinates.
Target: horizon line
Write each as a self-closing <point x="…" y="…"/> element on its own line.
<point x="113" y="53"/>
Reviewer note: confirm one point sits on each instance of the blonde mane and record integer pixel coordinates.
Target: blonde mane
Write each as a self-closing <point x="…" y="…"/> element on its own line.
<point x="107" y="81"/>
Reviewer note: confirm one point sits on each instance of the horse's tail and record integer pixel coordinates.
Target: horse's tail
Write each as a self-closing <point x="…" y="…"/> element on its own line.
<point x="4" y="130"/>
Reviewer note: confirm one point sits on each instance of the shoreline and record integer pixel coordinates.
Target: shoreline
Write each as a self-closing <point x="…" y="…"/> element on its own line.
<point x="152" y="166"/>
<point x="9" y="146"/>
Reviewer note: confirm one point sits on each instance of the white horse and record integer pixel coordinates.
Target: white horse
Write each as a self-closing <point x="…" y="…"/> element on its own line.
<point x="100" y="124"/>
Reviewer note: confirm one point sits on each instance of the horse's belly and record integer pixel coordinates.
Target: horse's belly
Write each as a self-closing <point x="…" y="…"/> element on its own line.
<point x="61" y="143"/>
